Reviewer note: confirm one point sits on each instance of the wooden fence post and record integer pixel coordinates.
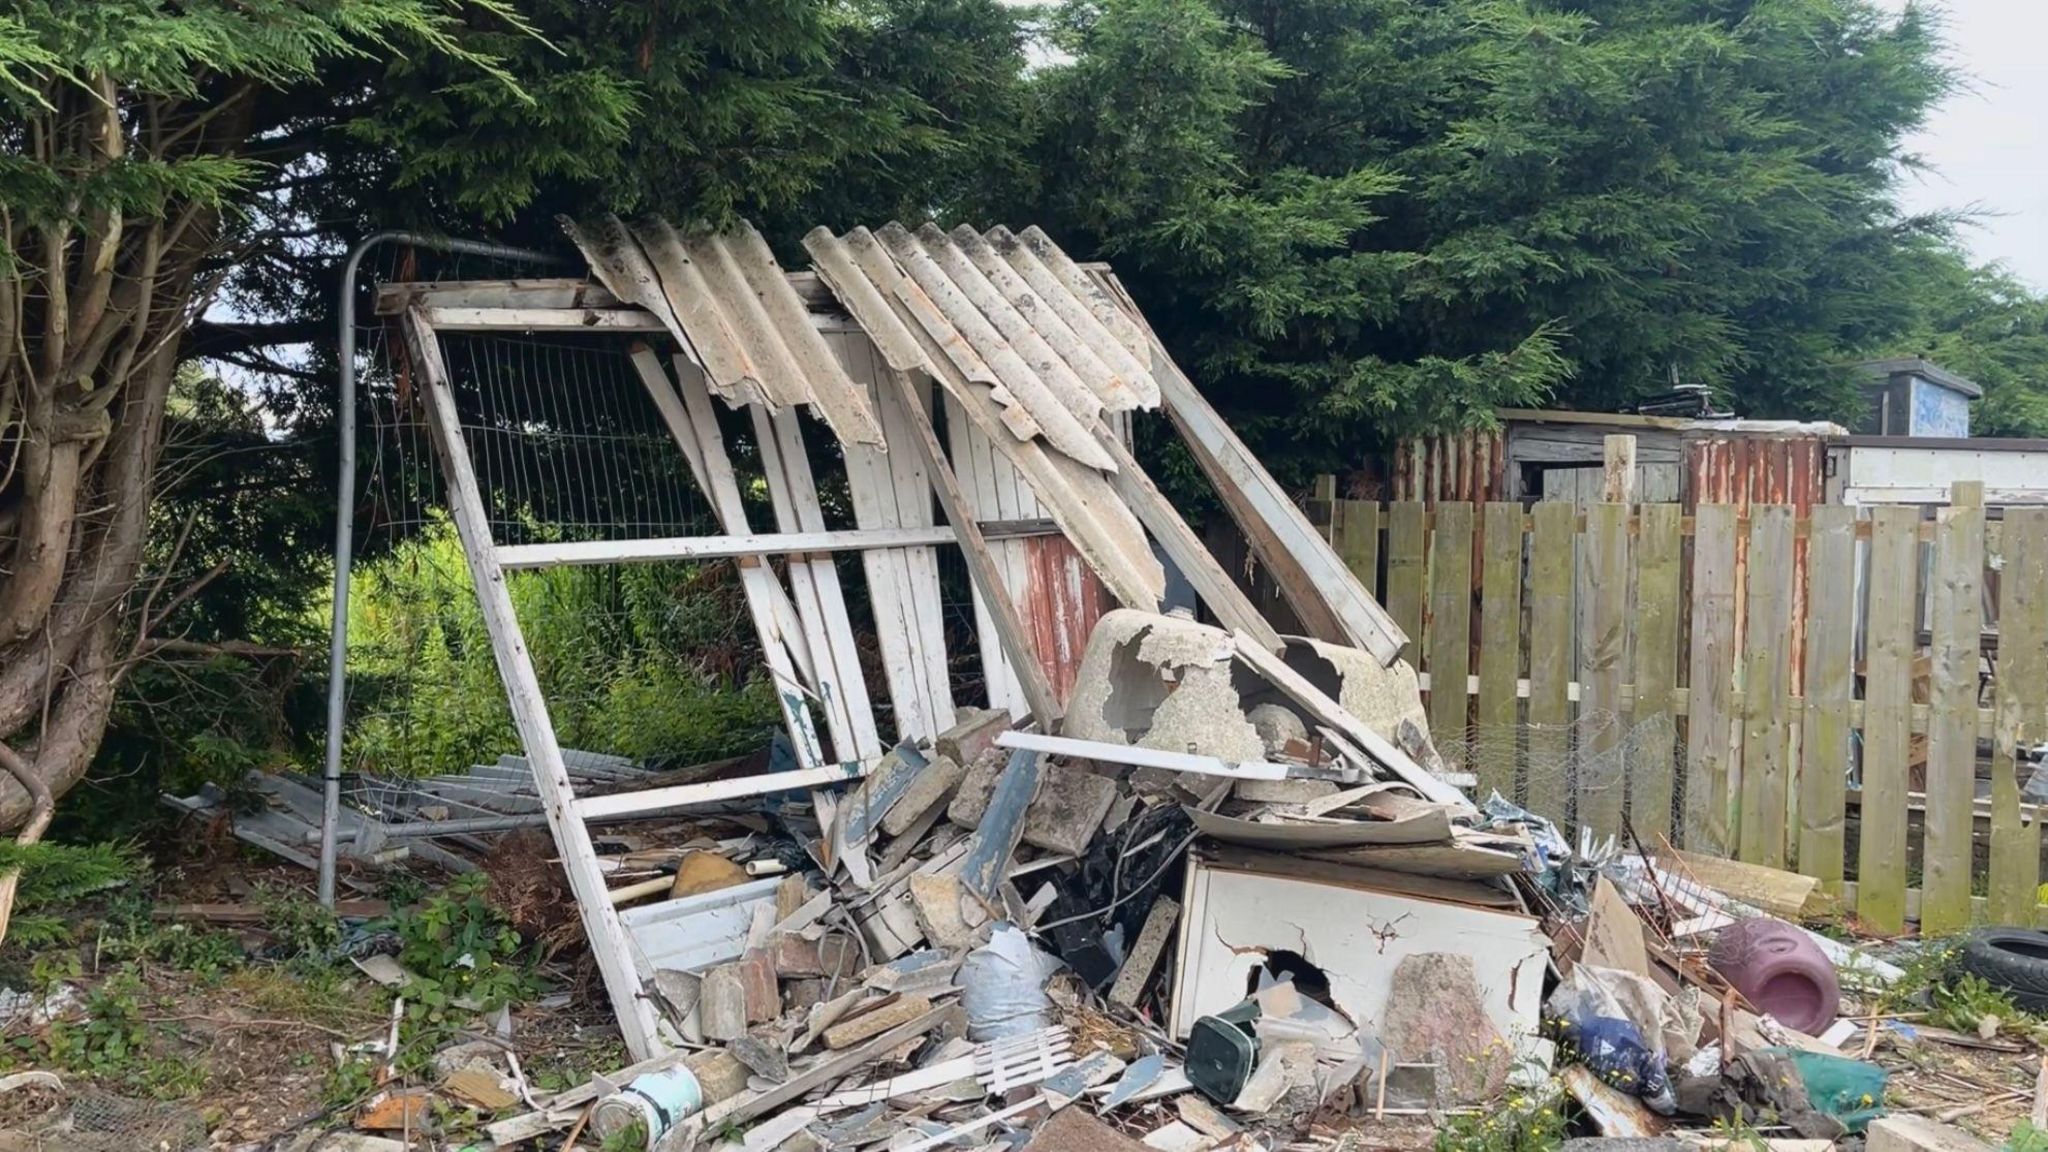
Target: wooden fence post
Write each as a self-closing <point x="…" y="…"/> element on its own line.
<point x="1500" y="650"/>
<point x="2022" y="711"/>
<point x="1710" y="772"/>
<point x="1450" y="621"/>
<point x="1824" y="739"/>
<point x="1656" y="660"/>
<point x="1956" y="626"/>
<point x="1887" y="704"/>
<point x="1765" y="655"/>
<point x="1550" y="663"/>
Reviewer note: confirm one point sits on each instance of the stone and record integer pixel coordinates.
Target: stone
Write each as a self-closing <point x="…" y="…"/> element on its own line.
<point x="1628" y="1144"/>
<point x="719" y="1074"/>
<point x="936" y="900"/>
<point x="1136" y="974"/>
<point x="722" y="1003"/>
<point x="1905" y="1132"/>
<point x="973" y="733"/>
<point x="1281" y="1067"/>
<point x="1204" y="1117"/>
<point x="977" y="784"/>
<point x="932" y="787"/>
<point x="1069" y="809"/>
<point x="1435" y="1015"/>
<point x="847" y="1033"/>
<point x="700" y="872"/>
<point x="1161" y="682"/>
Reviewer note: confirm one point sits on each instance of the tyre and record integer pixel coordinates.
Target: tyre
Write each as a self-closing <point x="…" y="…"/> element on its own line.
<point x="2014" y="960"/>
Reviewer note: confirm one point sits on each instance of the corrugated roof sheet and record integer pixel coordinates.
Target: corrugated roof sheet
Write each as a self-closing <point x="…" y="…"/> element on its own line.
<point x="1032" y="349"/>
<point x="724" y="297"/>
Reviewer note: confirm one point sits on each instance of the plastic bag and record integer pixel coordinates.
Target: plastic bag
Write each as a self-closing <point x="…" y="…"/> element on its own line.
<point x="1593" y="1029"/>
<point x="1002" y="986"/>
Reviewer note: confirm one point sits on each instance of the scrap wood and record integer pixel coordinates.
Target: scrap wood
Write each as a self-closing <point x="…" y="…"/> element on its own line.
<point x="741" y="1109"/>
<point x="1613" y="1112"/>
<point x="1783" y="894"/>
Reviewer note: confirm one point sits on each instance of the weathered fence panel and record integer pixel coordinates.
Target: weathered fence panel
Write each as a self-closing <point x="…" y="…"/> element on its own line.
<point x="1632" y="668"/>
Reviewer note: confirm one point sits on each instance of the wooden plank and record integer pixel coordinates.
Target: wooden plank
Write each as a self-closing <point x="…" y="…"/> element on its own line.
<point x="820" y="603"/>
<point x="893" y="577"/>
<point x="1355" y="533"/>
<point x="1760" y="835"/>
<point x="517" y="557"/>
<point x="910" y="495"/>
<point x="1711" y="768"/>
<point x="981" y="566"/>
<point x="1450" y="622"/>
<point x="1830" y="659"/>
<point x="1326" y="711"/>
<point x="2022" y="710"/>
<point x="633" y="1011"/>
<point x="1500" y="650"/>
<point x="544" y="320"/>
<point x="1328" y="599"/>
<point x="1603" y="770"/>
<point x="1136" y="757"/>
<point x="1618" y="468"/>
<point x="1232" y="607"/>
<point x="1652" y="780"/>
<point x="1406" y="560"/>
<point x="1887" y="691"/>
<point x="1550" y="666"/>
<point x="1955" y="625"/>
<point x="971" y="453"/>
<point x="779" y="640"/>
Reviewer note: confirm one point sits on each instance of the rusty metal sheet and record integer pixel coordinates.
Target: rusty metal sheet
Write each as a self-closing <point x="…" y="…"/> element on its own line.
<point x="1459" y="466"/>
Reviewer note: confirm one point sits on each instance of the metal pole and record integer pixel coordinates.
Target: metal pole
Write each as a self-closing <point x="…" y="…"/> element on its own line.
<point x="344" y="518"/>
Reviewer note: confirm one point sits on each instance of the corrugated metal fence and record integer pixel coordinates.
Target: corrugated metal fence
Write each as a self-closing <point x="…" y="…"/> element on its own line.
<point x="1854" y="758"/>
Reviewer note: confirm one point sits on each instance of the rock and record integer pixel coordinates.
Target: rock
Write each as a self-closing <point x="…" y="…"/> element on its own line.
<point x="722" y="1003"/>
<point x="1136" y="974"/>
<point x="1073" y="1130"/>
<point x="763" y="992"/>
<point x="936" y="900"/>
<point x="1435" y="1015"/>
<point x="701" y="872"/>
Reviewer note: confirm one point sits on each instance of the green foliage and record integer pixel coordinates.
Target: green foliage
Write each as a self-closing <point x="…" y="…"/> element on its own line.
<point x="2026" y="1138"/>
<point x="54" y="877"/>
<point x="1965" y="1002"/>
<point x="462" y="948"/>
<point x="631" y="1138"/>
<point x="1354" y="217"/>
<point x="112" y="1041"/>
<point x="627" y="658"/>
<point x="1985" y="325"/>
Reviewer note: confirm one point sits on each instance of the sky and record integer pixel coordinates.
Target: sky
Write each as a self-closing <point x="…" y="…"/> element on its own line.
<point x="1987" y="146"/>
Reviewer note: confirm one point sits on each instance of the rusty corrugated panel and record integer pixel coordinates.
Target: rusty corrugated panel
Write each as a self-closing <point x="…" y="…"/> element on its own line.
<point x="1469" y="465"/>
<point x="1743" y="470"/>
<point x="725" y="299"/>
<point x="1060" y="603"/>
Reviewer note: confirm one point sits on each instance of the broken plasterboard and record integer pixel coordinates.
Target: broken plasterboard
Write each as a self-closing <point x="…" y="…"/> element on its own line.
<point x="1232" y="922"/>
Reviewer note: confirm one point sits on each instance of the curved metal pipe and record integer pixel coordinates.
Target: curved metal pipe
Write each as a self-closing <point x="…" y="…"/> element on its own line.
<point x="344" y="517"/>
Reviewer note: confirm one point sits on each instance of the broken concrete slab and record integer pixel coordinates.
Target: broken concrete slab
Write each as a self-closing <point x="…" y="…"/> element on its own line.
<point x="1905" y="1132"/>
<point x="934" y="785"/>
<point x="1162" y="682"/>
<point x="1069" y="810"/>
<point x="973" y="733"/>
<point x="936" y="900"/>
<point x="1386" y="699"/>
<point x="977" y="784"/>
<point x="1136" y="974"/>
<point x="722" y="1003"/>
<point x="847" y="1033"/>
<point x="1284" y="791"/>
<point x="1072" y="1130"/>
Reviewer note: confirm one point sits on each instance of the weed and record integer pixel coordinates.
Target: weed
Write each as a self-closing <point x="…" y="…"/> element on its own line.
<point x="1933" y="965"/>
<point x="112" y="1042"/>
<point x="631" y="1138"/>
<point x="1528" y="1121"/>
<point x="1966" y="1001"/>
<point x="462" y="949"/>
<point x="402" y="889"/>
<point x="300" y="927"/>
<point x="348" y="1083"/>
<point x="2026" y="1138"/>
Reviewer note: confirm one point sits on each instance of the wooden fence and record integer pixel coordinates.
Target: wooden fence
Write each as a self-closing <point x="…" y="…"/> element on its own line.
<point x="1823" y="677"/>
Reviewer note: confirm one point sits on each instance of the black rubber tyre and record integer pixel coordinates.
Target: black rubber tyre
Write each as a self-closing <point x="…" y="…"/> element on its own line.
<point x="2012" y="959"/>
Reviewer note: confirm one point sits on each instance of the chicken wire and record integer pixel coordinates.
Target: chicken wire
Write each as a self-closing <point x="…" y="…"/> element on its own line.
<point x="656" y="662"/>
<point x="1600" y="752"/>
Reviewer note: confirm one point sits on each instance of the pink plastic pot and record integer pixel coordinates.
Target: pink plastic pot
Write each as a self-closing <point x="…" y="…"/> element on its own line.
<point x="1781" y="971"/>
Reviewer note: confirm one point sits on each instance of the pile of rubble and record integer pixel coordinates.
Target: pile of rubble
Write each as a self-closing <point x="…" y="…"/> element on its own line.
<point x="1201" y="917"/>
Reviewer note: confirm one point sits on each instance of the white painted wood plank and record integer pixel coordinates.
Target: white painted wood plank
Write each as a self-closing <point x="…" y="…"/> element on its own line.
<point x="978" y="487"/>
<point x="1141" y="757"/>
<point x="635" y="1013"/>
<point x="515" y="557"/>
<point x="543" y="320"/>
<point x="913" y="498"/>
<point x="713" y="791"/>
<point x="778" y="638"/>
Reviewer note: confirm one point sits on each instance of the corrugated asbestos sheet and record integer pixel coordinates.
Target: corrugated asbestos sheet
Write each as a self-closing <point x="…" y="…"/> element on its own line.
<point x="725" y="299"/>
<point x="1032" y="348"/>
<point x="1033" y="351"/>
